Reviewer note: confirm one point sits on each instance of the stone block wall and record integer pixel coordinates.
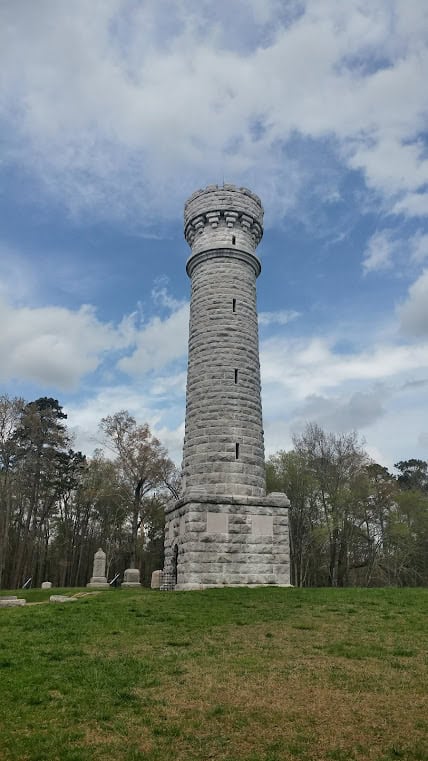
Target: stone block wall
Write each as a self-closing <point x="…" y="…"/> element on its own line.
<point x="227" y="541"/>
<point x="223" y="402"/>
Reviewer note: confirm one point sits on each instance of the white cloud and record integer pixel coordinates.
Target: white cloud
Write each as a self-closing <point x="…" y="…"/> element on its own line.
<point x="53" y="345"/>
<point x="412" y="205"/>
<point x="159" y="343"/>
<point x="378" y="390"/>
<point x="169" y="386"/>
<point x="344" y="412"/>
<point x="419" y="247"/>
<point x="303" y="379"/>
<point x="380" y="251"/>
<point x="413" y="312"/>
<point x="163" y="298"/>
<point x="96" y="101"/>
<point x="397" y="435"/>
<point x="172" y="439"/>
<point x="393" y="166"/>
<point x="84" y="417"/>
<point x="281" y="317"/>
<point x="380" y="393"/>
<point x="311" y="366"/>
<point x="390" y="248"/>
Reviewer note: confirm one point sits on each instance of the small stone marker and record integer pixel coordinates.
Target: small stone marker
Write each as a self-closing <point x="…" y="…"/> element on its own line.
<point x="131" y="578"/>
<point x="46" y="585"/>
<point x="98" y="578"/>
<point x="62" y="598"/>
<point x="157" y="578"/>
<point x="10" y="601"/>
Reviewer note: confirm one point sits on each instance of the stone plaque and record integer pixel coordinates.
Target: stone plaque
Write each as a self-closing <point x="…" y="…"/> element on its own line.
<point x="262" y="525"/>
<point x="217" y="523"/>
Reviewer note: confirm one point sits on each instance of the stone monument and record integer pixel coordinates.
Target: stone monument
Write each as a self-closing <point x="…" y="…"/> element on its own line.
<point x="224" y="531"/>
<point x="11" y="601"/>
<point x="131" y="578"/>
<point x="98" y="579"/>
<point x="46" y="585"/>
<point x="156" y="581"/>
<point x="63" y="598"/>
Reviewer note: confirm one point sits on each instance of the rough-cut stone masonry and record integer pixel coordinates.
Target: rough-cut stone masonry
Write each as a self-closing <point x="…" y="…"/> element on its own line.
<point x="223" y="382"/>
<point x="223" y="217"/>
<point x="225" y="530"/>
<point x="223" y="445"/>
<point x="228" y="541"/>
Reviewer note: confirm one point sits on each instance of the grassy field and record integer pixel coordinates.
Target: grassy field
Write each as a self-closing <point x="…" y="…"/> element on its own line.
<point x="230" y="674"/>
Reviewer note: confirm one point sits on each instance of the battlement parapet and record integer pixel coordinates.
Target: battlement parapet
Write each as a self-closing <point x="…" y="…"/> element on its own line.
<point x="228" y="187"/>
<point x="224" y="217"/>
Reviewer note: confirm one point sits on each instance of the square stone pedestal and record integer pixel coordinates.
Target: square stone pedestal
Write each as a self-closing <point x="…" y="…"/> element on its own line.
<point x="227" y="541"/>
<point x="98" y="582"/>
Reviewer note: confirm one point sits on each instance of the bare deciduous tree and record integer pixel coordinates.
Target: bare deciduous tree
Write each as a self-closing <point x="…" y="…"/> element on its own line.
<point x="144" y="466"/>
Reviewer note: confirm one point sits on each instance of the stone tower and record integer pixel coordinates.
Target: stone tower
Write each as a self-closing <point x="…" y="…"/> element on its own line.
<point x="224" y="530"/>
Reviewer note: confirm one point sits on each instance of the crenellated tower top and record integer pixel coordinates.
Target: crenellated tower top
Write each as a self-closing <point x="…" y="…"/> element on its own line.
<point x="225" y="218"/>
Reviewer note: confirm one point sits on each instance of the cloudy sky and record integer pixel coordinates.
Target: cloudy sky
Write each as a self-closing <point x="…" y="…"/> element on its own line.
<point x="112" y="112"/>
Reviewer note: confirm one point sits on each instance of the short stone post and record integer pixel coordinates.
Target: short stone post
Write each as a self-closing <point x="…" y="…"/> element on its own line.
<point x="98" y="579"/>
<point x="131" y="578"/>
<point x="157" y="579"/>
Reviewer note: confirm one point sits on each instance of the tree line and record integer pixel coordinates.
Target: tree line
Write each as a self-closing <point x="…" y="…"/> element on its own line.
<point x="58" y="506"/>
<point x="352" y="522"/>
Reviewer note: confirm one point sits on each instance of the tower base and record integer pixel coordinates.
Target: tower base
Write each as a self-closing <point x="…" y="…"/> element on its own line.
<point x="227" y="541"/>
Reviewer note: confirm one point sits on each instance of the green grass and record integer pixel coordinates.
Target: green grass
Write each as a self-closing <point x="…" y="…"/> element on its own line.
<point x="229" y="674"/>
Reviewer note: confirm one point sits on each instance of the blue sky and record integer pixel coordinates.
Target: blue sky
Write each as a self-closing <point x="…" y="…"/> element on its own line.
<point x="112" y="112"/>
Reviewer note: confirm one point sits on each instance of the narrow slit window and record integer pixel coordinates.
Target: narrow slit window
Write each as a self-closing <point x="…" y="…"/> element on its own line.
<point x="236" y="451"/>
<point x="233" y="305"/>
<point x="233" y="240"/>
<point x="236" y="376"/>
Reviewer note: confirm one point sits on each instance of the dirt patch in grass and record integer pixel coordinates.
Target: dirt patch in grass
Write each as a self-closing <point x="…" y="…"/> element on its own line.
<point x="291" y="707"/>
